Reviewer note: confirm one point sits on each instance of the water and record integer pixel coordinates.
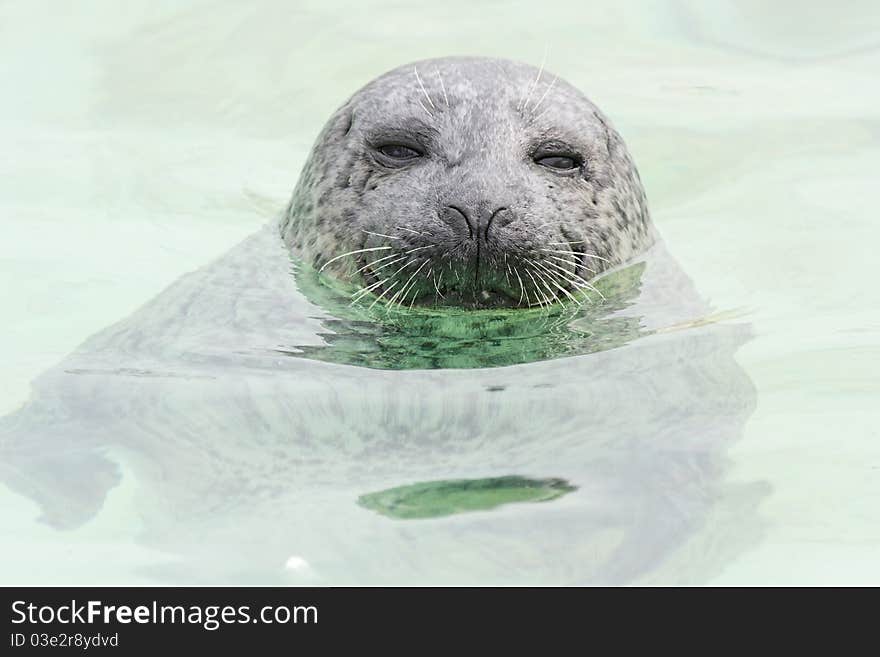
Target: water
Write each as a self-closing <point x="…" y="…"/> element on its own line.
<point x="719" y="431"/>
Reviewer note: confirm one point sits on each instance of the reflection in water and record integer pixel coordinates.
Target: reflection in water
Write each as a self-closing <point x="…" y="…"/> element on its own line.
<point x="446" y="338"/>
<point x="432" y="499"/>
<point x="243" y="456"/>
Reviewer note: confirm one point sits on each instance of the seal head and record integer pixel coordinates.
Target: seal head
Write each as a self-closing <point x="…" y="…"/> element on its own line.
<point x="468" y="181"/>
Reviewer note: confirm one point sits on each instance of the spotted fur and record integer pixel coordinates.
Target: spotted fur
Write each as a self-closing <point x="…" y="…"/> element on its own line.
<point x="519" y="231"/>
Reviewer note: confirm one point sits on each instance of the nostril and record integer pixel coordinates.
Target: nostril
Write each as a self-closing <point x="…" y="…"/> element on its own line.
<point x="478" y="222"/>
<point x="501" y="217"/>
<point x="455" y="217"/>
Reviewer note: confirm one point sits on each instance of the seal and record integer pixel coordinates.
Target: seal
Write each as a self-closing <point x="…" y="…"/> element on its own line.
<point x="221" y="459"/>
<point x="468" y="181"/>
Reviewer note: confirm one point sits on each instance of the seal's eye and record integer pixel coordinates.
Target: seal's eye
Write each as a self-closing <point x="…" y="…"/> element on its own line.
<point x="398" y="152"/>
<point x="558" y="162"/>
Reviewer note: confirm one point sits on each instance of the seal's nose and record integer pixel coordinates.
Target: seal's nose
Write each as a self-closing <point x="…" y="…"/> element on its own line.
<point x="476" y="222"/>
<point x="457" y="219"/>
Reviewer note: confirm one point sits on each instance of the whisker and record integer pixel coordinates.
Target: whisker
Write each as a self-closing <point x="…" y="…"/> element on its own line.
<point x="554" y="281"/>
<point x="430" y="274"/>
<point x="584" y="284"/>
<point x="443" y="87"/>
<point x="591" y="288"/>
<point x="390" y="237"/>
<point x="535" y="117"/>
<point x="589" y="255"/>
<point x="374" y="248"/>
<point x="437" y="286"/>
<point x="392" y="299"/>
<point x="360" y="294"/>
<point x="537" y="300"/>
<point x="553" y="294"/>
<point x="566" y="292"/>
<point x="535" y="83"/>
<point x="414" y="274"/>
<point x="370" y="264"/>
<point x="424" y="91"/>
<point x="409" y="230"/>
<point x="566" y="271"/>
<point x="413" y="300"/>
<point x="402" y="267"/>
<point x="522" y="288"/>
<point x="393" y="262"/>
<point x="553" y="298"/>
<point x="586" y="255"/>
<point x="546" y="91"/>
<point x="568" y="252"/>
<point x="384" y="292"/>
<point x="596" y="290"/>
<point x="537" y="288"/>
<point x="573" y="262"/>
<point x="397" y="297"/>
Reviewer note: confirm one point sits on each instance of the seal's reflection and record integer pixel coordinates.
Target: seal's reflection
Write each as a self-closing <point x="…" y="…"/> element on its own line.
<point x="244" y="457"/>
<point x="447" y="338"/>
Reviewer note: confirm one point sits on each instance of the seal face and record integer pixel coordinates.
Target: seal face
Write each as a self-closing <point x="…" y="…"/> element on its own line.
<point x="468" y="181"/>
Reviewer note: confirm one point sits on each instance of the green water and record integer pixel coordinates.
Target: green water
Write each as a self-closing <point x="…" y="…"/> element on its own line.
<point x="434" y="499"/>
<point x="374" y="336"/>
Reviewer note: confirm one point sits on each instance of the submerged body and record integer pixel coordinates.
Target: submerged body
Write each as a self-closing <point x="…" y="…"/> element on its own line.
<point x="238" y="459"/>
<point x="468" y="181"/>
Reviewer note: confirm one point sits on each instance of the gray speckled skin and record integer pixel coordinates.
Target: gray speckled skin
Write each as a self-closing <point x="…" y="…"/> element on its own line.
<point x="520" y="231"/>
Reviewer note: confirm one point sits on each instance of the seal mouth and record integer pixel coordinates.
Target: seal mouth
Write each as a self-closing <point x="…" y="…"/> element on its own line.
<point x="484" y="298"/>
<point x="542" y="275"/>
<point x="436" y="291"/>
